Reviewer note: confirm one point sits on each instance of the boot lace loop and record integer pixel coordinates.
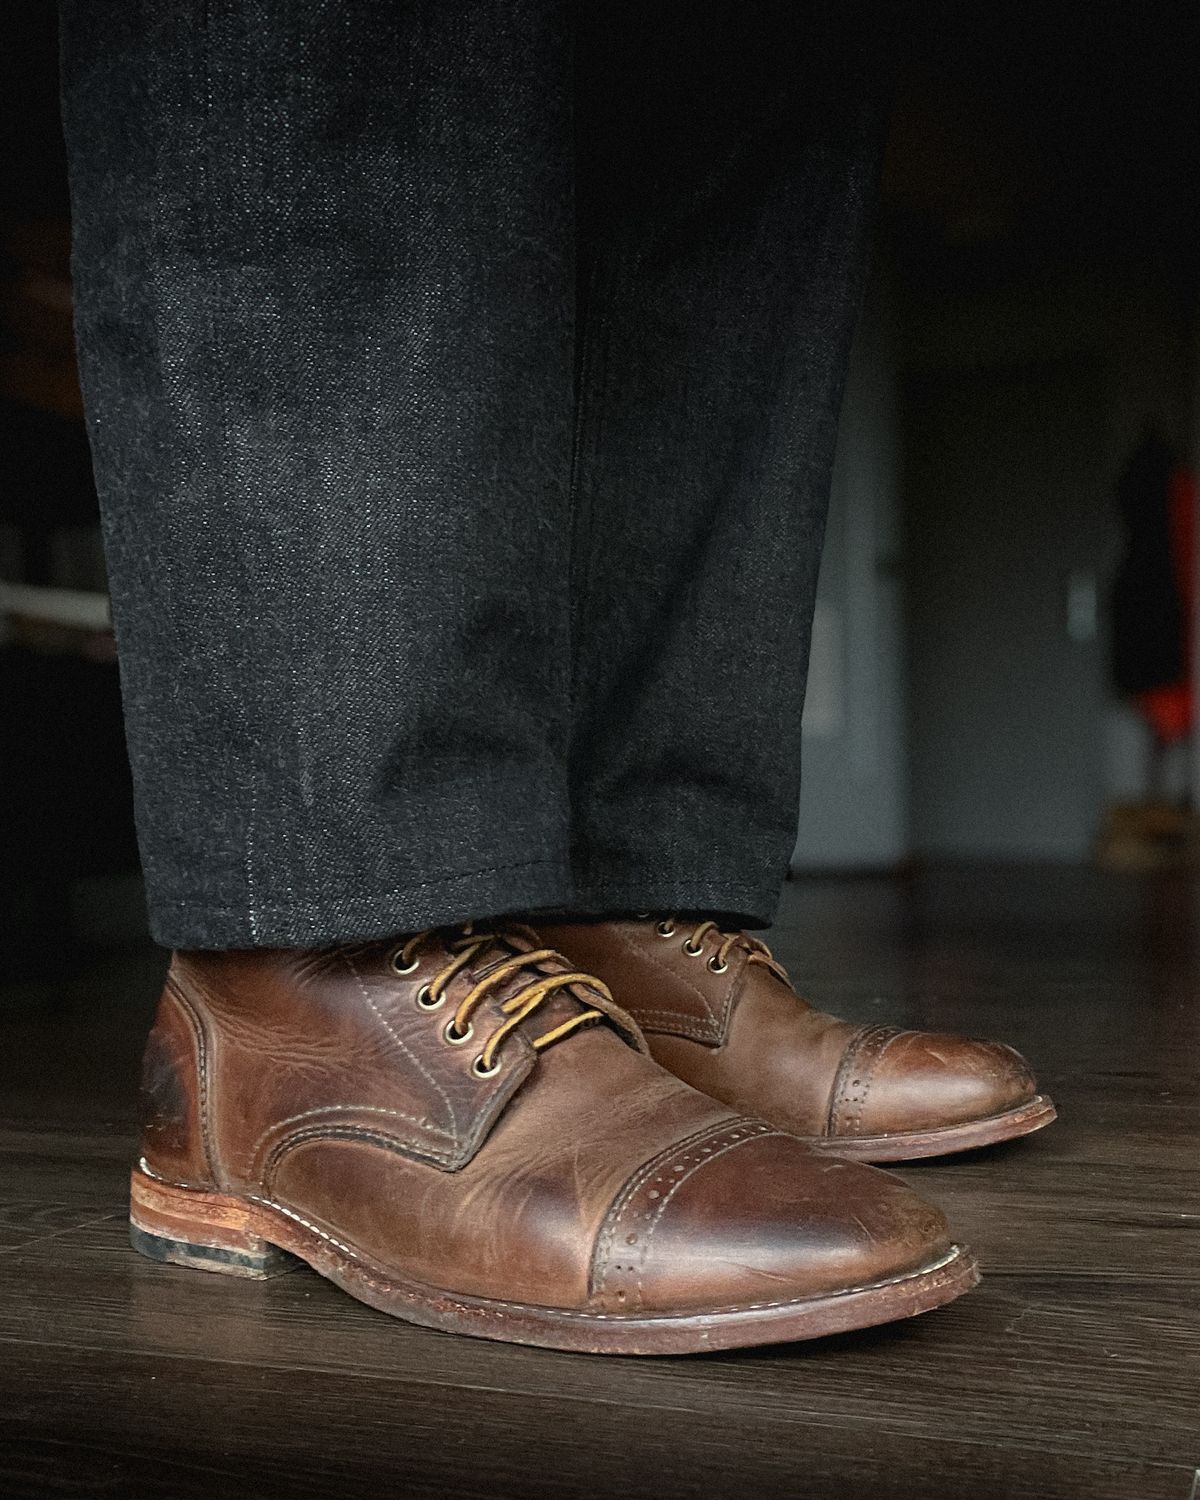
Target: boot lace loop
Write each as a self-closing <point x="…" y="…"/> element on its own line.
<point x="727" y="943"/>
<point x="465" y="948"/>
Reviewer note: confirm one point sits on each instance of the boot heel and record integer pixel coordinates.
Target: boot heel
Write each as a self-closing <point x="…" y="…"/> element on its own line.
<point x="206" y="1231"/>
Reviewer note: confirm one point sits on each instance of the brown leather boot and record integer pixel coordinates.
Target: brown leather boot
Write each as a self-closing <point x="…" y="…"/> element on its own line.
<point x="721" y="1014"/>
<point x="464" y="1131"/>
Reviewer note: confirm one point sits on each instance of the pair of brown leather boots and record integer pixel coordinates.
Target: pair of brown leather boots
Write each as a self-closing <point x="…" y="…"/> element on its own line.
<point x="638" y="1148"/>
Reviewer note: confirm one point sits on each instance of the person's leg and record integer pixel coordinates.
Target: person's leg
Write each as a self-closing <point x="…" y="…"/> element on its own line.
<point x="324" y="270"/>
<point x="725" y="218"/>
<point x="323" y="267"/>
<point x="727" y="177"/>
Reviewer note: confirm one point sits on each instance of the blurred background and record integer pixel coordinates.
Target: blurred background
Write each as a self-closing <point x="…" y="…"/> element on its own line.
<point x="1002" y="664"/>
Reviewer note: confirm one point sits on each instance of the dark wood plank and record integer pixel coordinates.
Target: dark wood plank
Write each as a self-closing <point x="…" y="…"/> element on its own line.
<point x="1082" y="1365"/>
<point x="27" y="1222"/>
<point x="135" y="1426"/>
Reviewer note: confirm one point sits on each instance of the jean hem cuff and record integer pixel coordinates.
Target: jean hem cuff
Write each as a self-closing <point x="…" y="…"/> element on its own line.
<point x="339" y="917"/>
<point x="745" y="905"/>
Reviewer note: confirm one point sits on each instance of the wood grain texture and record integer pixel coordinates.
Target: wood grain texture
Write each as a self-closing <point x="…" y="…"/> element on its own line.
<point x="1073" y="1371"/>
<point x="395" y="1437"/>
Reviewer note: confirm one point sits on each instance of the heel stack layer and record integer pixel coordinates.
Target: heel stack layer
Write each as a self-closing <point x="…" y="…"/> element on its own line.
<point x="206" y="1231"/>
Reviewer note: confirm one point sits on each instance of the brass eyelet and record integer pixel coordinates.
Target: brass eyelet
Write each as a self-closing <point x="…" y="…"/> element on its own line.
<point x="693" y="950"/>
<point x="426" y="1001"/>
<point x="665" y="929"/>
<point x="457" y="1038"/>
<point x="716" y="965"/>
<point x="409" y="968"/>
<point x="485" y="1072"/>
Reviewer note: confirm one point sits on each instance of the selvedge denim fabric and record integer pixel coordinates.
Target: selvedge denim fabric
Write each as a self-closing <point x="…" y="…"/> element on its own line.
<point x="462" y="382"/>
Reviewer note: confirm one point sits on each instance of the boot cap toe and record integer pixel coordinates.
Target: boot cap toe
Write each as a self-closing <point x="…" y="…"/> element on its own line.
<point x="905" y="1081"/>
<point x="746" y="1215"/>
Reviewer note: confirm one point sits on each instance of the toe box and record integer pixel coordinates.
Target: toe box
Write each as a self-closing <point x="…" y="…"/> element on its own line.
<point x="748" y="1216"/>
<point x="905" y="1081"/>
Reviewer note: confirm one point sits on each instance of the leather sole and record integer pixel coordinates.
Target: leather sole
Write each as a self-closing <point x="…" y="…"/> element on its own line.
<point x="1035" y="1114"/>
<point x="256" y="1239"/>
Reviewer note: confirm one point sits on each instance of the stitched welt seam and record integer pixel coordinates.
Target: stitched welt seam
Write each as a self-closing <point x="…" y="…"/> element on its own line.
<point x="203" y="1102"/>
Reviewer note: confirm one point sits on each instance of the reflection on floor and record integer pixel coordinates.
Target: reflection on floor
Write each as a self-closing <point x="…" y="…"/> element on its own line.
<point x="1073" y="1371"/>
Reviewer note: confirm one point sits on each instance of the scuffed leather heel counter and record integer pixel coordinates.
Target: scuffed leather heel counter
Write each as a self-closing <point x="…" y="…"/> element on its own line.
<point x="173" y="1103"/>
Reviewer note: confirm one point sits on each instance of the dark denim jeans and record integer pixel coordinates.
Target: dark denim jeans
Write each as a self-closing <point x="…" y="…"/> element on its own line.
<point x="463" y="382"/>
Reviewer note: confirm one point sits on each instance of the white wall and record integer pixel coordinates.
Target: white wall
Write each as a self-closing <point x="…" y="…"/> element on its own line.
<point x="852" y="805"/>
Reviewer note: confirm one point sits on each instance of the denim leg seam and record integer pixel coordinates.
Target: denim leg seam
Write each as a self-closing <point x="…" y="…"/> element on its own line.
<point x="589" y="429"/>
<point x="251" y="888"/>
<point x="248" y="858"/>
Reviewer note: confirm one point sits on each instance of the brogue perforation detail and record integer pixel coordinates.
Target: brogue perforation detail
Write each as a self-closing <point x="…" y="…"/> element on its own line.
<point x="855" y="1076"/>
<point x="623" y="1247"/>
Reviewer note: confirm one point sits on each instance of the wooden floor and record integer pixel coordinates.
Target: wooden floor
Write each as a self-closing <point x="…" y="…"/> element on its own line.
<point x="1073" y="1371"/>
